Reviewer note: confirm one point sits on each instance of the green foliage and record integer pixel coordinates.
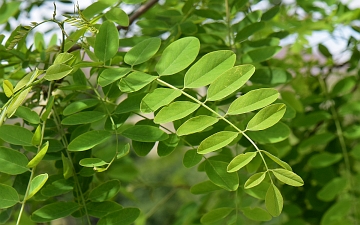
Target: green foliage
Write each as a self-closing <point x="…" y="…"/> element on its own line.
<point x="192" y="117"/>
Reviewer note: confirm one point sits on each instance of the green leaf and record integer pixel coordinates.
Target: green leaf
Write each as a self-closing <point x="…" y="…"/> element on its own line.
<point x="36" y="184"/>
<point x="344" y="86"/>
<point x="16" y="102"/>
<point x="337" y="212"/>
<point x="175" y="111"/>
<point x="324" y="159"/>
<point x="142" y="148"/>
<point x="107" y="41"/>
<point x="57" y="71"/>
<point x="260" y="54"/>
<point x="229" y="81"/>
<point x="118" y="16"/>
<point x="109" y="76"/>
<point x="145" y="133"/>
<point x="64" y="58"/>
<point x="39" y="156"/>
<point x="208" y="68"/>
<point x="67" y="167"/>
<point x="273" y="200"/>
<point x="249" y="30"/>
<point x="12" y="162"/>
<point x="271" y="75"/>
<point x="166" y="147"/>
<point x="54" y="211"/>
<point x="159" y="97"/>
<point x="267" y="117"/>
<point x="216" y="171"/>
<point x="130" y="104"/>
<point x="216" y="141"/>
<point x="256" y="214"/>
<point x="92" y="162"/>
<point x="178" y="55"/>
<point x="268" y="15"/>
<point x="8" y="9"/>
<point x="8" y="196"/>
<point x="80" y="105"/>
<point x="83" y="118"/>
<point x="290" y="99"/>
<point x="135" y="81"/>
<point x="288" y="177"/>
<point x="101" y="209"/>
<point x="196" y="124"/>
<point x="16" y="135"/>
<point x="216" y="215"/>
<point x="48" y="108"/>
<point x="123" y="150"/>
<point x="332" y="189"/>
<point x="8" y="88"/>
<point x="36" y="139"/>
<point x="142" y="51"/>
<point x="191" y="158"/>
<point x="57" y="188"/>
<point x="204" y="187"/>
<point x="88" y="140"/>
<point x="255" y="180"/>
<point x="274" y="134"/>
<point x="105" y="191"/>
<point x="240" y="161"/>
<point x="28" y="79"/>
<point x="253" y="100"/>
<point x="278" y="161"/>
<point x="27" y="114"/>
<point x="125" y="216"/>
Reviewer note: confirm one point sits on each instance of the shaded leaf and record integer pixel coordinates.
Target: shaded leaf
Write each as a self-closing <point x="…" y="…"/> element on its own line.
<point x="109" y="76"/>
<point x="267" y="117"/>
<point x="177" y="56"/>
<point x="12" y="162"/>
<point x="191" y="158"/>
<point x="16" y="102"/>
<point x="216" y="171"/>
<point x="125" y="216"/>
<point x="249" y="30"/>
<point x="135" y="81"/>
<point x="83" y="118"/>
<point x="274" y="134"/>
<point x="324" y="159"/>
<point x="240" y="161"/>
<point x="204" y="187"/>
<point x="101" y="209"/>
<point x="105" y="191"/>
<point x="27" y="114"/>
<point x="80" y="105"/>
<point x="216" y="215"/>
<point x="256" y="214"/>
<point x="16" y="135"/>
<point x="107" y="41"/>
<point x="88" y="140"/>
<point x="229" y="81"/>
<point x="216" y="141"/>
<point x="332" y="189"/>
<point x="8" y="196"/>
<point x="260" y="54"/>
<point x="54" y="211"/>
<point x="145" y="133"/>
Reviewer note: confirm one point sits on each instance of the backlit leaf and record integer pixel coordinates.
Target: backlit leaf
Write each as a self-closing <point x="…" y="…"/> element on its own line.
<point x="255" y="180"/>
<point x="105" y="191"/>
<point x="39" y="156"/>
<point x="12" y="162"/>
<point x="274" y="134"/>
<point x="216" y="141"/>
<point x="229" y="81"/>
<point x="253" y="100"/>
<point x="145" y="133"/>
<point x="125" y="216"/>
<point x="36" y="184"/>
<point x="216" y="171"/>
<point x="16" y="102"/>
<point x="249" y="30"/>
<point x="118" y="16"/>
<point x="208" y="68"/>
<point x="67" y="167"/>
<point x="288" y="177"/>
<point x="107" y="41"/>
<point x="240" y="161"/>
<point x="177" y="56"/>
<point x="16" y="135"/>
<point x="8" y="196"/>
<point x="36" y="139"/>
<point x="267" y="117"/>
<point x="159" y="97"/>
<point x="142" y="51"/>
<point x="8" y="88"/>
<point x="88" y="140"/>
<point x="216" y="215"/>
<point x="109" y="76"/>
<point x="196" y="124"/>
<point x="54" y="211"/>
<point x="57" y="71"/>
<point x="135" y="81"/>
<point x="274" y="200"/>
<point x="175" y="111"/>
<point x="27" y="114"/>
<point x="92" y="162"/>
<point x="260" y="54"/>
<point x="278" y="161"/>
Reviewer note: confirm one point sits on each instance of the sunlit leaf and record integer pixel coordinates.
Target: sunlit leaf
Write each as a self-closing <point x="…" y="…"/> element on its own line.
<point x="16" y="135"/>
<point x="255" y="180"/>
<point x="143" y="51"/>
<point x="135" y="81"/>
<point x="278" y="161"/>
<point x="240" y="161"/>
<point x="8" y="196"/>
<point x="216" y="141"/>
<point x="57" y="71"/>
<point x="12" y="162"/>
<point x="229" y="81"/>
<point x="274" y="200"/>
<point x="196" y="124"/>
<point x="36" y="184"/>
<point x="288" y="177"/>
<point x="88" y="140"/>
<point x="16" y="102"/>
<point x="109" y="76"/>
<point x="39" y="156"/>
<point x="8" y="88"/>
<point x="267" y="117"/>
<point x="175" y="111"/>
<point x="177" y="56"/>
<point x="159" y="97"/>
<point x="107" y="41"/>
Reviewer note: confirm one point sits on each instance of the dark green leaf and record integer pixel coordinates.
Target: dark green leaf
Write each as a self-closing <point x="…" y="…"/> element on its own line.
<point x="204" y="187"/>
<point x="256" y="214"/>
<point x="216" y="215"/>
<point x="54" y="211"/>
<point x="88" y="140"/>
<point x="12" y="162"/>
<point x="324" y="159"/>
<point x="107" y="41"/>
<point x="191" y="158"/>
<point x="118" y="16"/>
<point x="80" y="105"/>
<point x="332" y="189"/>
<point x="8" y="196"/>
<point x="216" y="171"/>
<point x="27" y="114"/>
<point x="145" y="133"/>
<point x="274" y="134"/>
<point x="16" y="135"/>
<point x="249" y="30"/>
<point x="83" y="118"/>
<point x="125" y="216"/>
<point x="105" y="191"/>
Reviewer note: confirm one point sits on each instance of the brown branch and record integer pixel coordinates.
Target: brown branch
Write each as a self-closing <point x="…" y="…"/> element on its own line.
<point x="140" y="11"/>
